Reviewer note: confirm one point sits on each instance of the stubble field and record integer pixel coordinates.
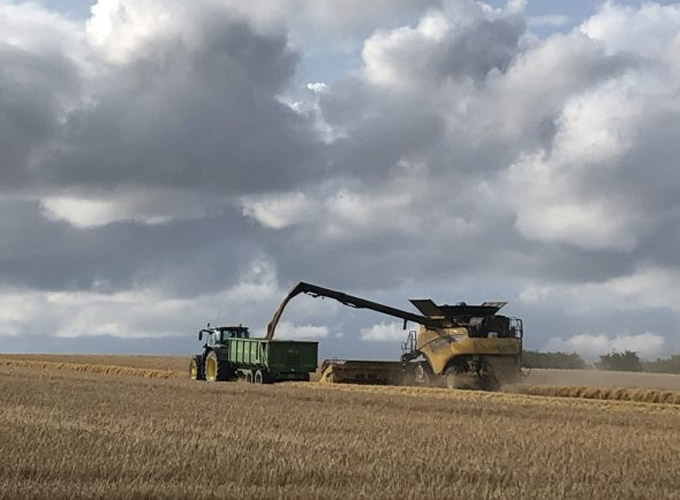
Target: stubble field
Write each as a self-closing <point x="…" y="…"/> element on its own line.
<point x="149" y="433"/>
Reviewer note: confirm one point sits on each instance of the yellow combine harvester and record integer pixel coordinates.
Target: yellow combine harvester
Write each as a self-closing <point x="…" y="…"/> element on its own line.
<point x="461" y="345"/>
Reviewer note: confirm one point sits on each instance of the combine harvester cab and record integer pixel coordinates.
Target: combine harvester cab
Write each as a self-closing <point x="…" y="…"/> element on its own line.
<point x="474" y="347"/>
<point x="229" y="353"/>
<point x="461" y="346"/>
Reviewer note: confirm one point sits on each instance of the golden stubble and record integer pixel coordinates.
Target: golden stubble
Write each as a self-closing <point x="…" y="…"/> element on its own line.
<point x="85" y="434"/>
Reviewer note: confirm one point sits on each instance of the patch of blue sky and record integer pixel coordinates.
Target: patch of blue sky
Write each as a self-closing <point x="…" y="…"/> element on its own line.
<point x="76" y="9"/>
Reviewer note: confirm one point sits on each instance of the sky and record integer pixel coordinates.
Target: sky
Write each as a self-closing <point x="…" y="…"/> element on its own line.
<point x="164" y="164"/>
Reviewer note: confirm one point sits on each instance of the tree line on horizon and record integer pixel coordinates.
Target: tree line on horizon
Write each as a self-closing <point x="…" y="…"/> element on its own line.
<point x="628" y="361"/>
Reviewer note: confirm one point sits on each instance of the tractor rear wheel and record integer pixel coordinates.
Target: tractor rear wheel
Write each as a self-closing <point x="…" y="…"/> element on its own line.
<point x="249" y="377"/>
<point x="216" y="370"/>
<point x="196" y="368"/>
<point x="258" y="378"/>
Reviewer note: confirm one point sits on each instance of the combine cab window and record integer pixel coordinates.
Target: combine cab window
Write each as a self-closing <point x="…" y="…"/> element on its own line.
<point x="516" y="328"/>
<point x="491" y="327"/>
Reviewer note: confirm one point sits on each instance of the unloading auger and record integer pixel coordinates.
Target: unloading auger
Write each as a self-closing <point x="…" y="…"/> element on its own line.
<point x="461" y="345"/>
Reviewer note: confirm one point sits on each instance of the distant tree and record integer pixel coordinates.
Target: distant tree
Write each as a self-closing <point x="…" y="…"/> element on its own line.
<point x="669" y="365"/>
<point x="562" y="360"/>
<point x="626" y="361"/>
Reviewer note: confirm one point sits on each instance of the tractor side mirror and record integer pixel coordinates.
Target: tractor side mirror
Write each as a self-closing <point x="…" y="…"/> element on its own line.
<point x="200" y="335"/>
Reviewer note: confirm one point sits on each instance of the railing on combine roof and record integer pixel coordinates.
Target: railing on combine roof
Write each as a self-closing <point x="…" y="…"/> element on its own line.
<point x="408" y="347"/>
<point x="516" y="328"/>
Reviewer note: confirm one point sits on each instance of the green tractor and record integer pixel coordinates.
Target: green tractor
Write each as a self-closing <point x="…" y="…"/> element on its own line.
<point x="213" y="364"/>
<point x="229" y="353"/>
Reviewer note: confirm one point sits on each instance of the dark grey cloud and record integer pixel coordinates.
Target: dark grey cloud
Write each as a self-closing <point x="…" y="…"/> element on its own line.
<point x="189" y="118"/>
<point x="36" y="88"/>
<point x="187" y="257"/>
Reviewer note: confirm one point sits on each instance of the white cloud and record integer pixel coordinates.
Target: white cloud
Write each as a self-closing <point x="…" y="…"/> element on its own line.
<point x="595" y="132"/>
<point x="353" y="209"/>
<point x="146" y="207"/>
<point x="287" y="330"/>
<point x="648" y="345"/>
<point x="435" y="51"/>
<point x="317" y="87"/>
<point x="648" y="287"/>
<point x="281" y="210"/>
<point x="338" y="211"/>
<point x="534" y="294"/>
<point x="143" y="312"/>
<point x="124" y="30"/>
<point x="647" y="29"/>
<point x="383" y="332"/>
<point x="20" y="21"/>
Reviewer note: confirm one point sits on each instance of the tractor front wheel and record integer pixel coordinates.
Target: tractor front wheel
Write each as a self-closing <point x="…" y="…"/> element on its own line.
<point x="196" y="368"/>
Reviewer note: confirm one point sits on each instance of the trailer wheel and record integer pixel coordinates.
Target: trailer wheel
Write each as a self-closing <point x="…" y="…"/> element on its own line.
<point x="249" y="377"/>
<point x="196" y="368"/>
<point x="258" y="378"/>
<point x="215" y="369"/>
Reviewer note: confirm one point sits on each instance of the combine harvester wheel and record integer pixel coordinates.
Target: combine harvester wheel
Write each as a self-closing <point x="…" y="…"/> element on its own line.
<point x="456" y="379"/>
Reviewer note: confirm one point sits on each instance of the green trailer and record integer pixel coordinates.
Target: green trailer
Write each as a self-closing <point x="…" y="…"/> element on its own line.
<point x="229" y="353"/>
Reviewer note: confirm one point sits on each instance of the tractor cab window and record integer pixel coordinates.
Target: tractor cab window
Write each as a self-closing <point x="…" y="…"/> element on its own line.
<point x="236" y="334"/>
<point x="212" y="338"/>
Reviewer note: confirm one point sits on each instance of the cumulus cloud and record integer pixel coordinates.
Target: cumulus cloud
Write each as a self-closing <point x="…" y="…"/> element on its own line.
<point x="145" y="207"/>
<point x="40" y="85"/>
<point x="648" y="287"/>
<point x="649" y="30"/>
<point x="146" y="312"/>
<point x="301" y="332"/>
<point x="156" y="95"/>
<point x="383" y="332"/>
<point x="444" y="45"/>
<point x="280" y="210"/>
<point x="178" y="148"/>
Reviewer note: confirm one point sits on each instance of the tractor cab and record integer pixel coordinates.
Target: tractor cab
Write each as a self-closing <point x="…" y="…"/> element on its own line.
<point x="218" y="335"/>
